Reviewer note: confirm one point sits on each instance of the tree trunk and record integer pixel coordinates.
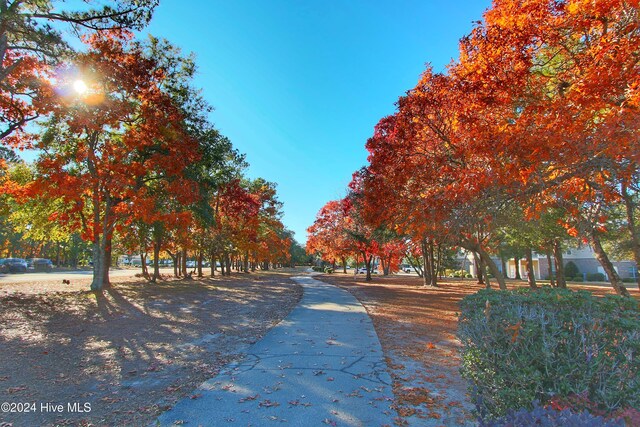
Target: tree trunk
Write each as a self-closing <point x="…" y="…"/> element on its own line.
<point x="604" y="260"/>
<point x="101" y="245"/>
<point x="143" y="261"/>
<point x="551" y="278"/>
<point x="157" y="245"/>
<point x="246" y="262"/>
<point x="98" y="256"/>
<point x="531" y="275"/>
<point x="433" y="274"/>
<point x="504" y="266"/>
<point x="478" y="267"/>
<point x="200" y="264"/>
<point x="557" y="255"/>
<point x="426" y="277"/>
<point x="183" y="262"/>
<point x="213" y="265"/>
<point x="516" y="260"/>
<point x="493" y="268"/>
<point x="174" y="259"/>
<point x="630" y="208"/>
<point x="344" y="264"/>
<point x="227" y="262"/>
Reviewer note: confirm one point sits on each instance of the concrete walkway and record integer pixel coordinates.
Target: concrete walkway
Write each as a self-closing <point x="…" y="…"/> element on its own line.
<point x="322" y="365"/>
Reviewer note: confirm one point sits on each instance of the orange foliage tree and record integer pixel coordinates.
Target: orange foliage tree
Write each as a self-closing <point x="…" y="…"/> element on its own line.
<point x="103" y="148"/>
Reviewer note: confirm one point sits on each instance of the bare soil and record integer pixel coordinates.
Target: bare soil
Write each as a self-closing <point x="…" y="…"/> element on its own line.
<point x="128" y="353"/>
<point x="417" y="328"/>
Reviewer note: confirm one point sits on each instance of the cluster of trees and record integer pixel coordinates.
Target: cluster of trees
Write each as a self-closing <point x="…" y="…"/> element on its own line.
<point x="528" y="142"/>
<point x="127" y="157"/>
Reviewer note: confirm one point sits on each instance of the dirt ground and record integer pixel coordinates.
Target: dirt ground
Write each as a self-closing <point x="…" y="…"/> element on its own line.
<point x="417" y="329"/>
<point x="125" y="356"/>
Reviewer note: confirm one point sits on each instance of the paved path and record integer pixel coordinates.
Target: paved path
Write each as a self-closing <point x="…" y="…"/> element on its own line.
<point x="322" y="365"/>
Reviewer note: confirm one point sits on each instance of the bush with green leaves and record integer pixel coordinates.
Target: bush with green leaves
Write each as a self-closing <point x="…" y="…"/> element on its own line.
<point x="328" y="270"/>
<point x="550" y="417"/>
<point x="595" y="277"/>
<point x="571" y="270"/>
<point x="523" y="346"/>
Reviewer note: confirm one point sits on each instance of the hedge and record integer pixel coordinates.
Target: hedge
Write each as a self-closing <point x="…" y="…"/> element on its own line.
<point x="523" y="346"/>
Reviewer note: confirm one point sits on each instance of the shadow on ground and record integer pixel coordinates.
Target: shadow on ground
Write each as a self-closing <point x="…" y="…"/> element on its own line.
<point x="134" y="350"/>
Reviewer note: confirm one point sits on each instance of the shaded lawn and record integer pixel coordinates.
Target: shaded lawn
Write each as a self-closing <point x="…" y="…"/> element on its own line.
<point x="134" y="351"/>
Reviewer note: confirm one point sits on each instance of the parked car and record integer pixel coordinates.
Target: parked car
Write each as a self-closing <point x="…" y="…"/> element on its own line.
<point x="41" y="264"/>
<point x="191" y="264"/>
<point x="14" y="265"/>
<point x="363" y="270"/>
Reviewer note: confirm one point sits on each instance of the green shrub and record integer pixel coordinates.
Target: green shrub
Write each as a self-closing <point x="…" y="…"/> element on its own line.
<point x="629" y="280"/>
<point x="328" y="270"/>
<point x="318" y="269"/>
<point x="595" y="277"/>
<point x="578" y="279"/>
<point x="524" y="345"/>
<point x="468" y="276"/>
<point x="571" y="270"/>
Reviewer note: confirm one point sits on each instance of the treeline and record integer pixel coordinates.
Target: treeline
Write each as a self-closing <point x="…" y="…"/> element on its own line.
<point x="128" y="160"/>
<point x="529" y="142"/>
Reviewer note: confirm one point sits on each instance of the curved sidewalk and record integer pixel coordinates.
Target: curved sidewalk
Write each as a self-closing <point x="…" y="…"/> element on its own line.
<point x="322" y="365"/>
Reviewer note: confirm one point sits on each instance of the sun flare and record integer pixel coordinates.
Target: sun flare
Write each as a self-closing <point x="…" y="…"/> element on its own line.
<point x="80" y="87"/>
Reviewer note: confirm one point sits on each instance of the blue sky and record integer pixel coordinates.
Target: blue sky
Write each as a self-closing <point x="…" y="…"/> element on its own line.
<point x="298" y="85"/>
